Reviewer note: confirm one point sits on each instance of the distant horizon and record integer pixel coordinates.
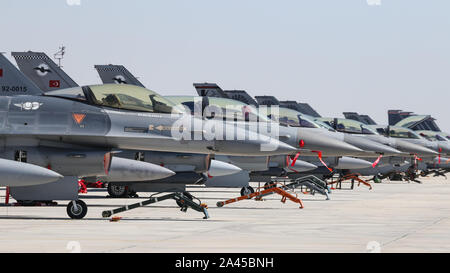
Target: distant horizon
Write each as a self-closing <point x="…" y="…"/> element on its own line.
<point x="336" y="56"/>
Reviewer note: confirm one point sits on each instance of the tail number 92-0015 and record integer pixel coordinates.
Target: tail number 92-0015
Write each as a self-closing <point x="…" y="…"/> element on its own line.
<point x="14" y="89"/>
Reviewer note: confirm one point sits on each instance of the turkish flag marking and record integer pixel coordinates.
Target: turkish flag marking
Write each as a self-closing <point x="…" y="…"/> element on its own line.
<point x="78" y="118"/>
<point x="1" y="72"/>
<point x="54" y="84"/>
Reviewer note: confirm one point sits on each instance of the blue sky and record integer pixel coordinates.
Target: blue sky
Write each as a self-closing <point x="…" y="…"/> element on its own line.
<point x="336" y="55"/>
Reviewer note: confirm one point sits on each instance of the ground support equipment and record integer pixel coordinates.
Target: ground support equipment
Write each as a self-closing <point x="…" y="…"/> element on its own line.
<point x="181" y="198"/>
<point x="259" y="194"/>
<point x="352" y="177"/>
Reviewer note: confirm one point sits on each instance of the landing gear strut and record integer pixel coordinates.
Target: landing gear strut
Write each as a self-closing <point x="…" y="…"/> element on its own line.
<point x="77" y="209"/>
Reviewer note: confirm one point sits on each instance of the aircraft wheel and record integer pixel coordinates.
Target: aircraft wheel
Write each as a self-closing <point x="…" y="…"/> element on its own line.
<point x="377" y="179"/>
<point x="77" y="209"/>
<point x="247" y="190"/>
<point x="116" y="191"/>
<point x="186" y="194"/>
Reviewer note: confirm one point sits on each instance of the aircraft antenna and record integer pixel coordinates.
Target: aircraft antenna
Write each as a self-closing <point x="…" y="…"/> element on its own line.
<point x="60" y="55"/>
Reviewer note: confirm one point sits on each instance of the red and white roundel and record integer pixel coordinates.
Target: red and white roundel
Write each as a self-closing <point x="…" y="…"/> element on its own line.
<point x="54" y="84"/>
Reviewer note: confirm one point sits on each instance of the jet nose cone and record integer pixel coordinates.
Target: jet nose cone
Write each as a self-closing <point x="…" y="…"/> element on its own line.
<point x="371" y="146"/>
<point x="302" y="166"/>
<point x="412" y="148"/>
<point x="349" y="163"/>
<point x="329" y="146"/>
<point x="220" y="168"/>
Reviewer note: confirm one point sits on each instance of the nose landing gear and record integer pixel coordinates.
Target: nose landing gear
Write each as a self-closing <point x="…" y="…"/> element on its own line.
<point x="77" y="209"/>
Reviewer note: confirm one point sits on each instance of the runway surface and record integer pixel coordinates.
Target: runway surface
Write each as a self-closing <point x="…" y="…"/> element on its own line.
<point x="393" y="217"/>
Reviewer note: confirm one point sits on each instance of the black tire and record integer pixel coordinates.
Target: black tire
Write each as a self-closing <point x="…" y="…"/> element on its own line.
<point x="77" y="212"/>
<point x="269" y="185"/>
<point x="117" y="191"/>
<point x="247" y="190"/>
<point x="377" y="179"/>
<point x="188" y="195"/>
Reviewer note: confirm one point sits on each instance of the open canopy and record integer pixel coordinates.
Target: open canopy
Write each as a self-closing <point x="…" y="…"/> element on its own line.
<point x="221" y="108"/>
<point x="294" y="118"/>
<point x="349" y="126"/>
<point x="119" y="96"/>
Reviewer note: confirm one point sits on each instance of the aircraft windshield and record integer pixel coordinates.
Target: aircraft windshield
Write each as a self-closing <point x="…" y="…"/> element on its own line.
<point x="221" y="108"/>
<point x="185" y="101"/>
<point x="130" y="97"/>
<point x="433" y="136"/>
<point x="292" y="118"/>
<point x="403" y="133"/>
<point x="69" y="93"/>
<point x="236" y="110"/>
<point x="323" y="124"/>
<point x="443" y="135"/>
<point x="349" y="126"/>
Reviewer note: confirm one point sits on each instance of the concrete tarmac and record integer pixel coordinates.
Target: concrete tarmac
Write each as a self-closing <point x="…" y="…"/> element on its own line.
<point x="393" y="217"/>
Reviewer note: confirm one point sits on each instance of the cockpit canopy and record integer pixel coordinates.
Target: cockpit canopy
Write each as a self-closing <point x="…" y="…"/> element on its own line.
<point x="220" y="108"/>
<point x="401" y="132"/>
<point x="286" y="116"/>
<point x="119" y="96"/>
<point x="348" y="126"/>
<point x="434" y="136"/>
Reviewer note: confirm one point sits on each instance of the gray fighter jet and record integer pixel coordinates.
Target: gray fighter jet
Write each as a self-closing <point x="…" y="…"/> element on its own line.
<point x="424" y="125"/>
<point x="388" y="163"/>
<point x="273" y="166"/>
<point x="189" y="168"/>
<point x="28" y="60"/>
<point x="404" y="122"/>
<point x="75" y="132"/>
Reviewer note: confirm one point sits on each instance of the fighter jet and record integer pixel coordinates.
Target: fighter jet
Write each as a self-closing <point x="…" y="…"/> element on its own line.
<point x="443" y="139"/>
<point x="424" y="125"/>
<point x="372" y="132"/>
<point x="75" y="132"/>
<point x="356" y="130"/>
<point x="404" y="121"/>
<point x="306" y="141"/>
<point x="189" y="168"/>
<point x="291" y="118"/>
